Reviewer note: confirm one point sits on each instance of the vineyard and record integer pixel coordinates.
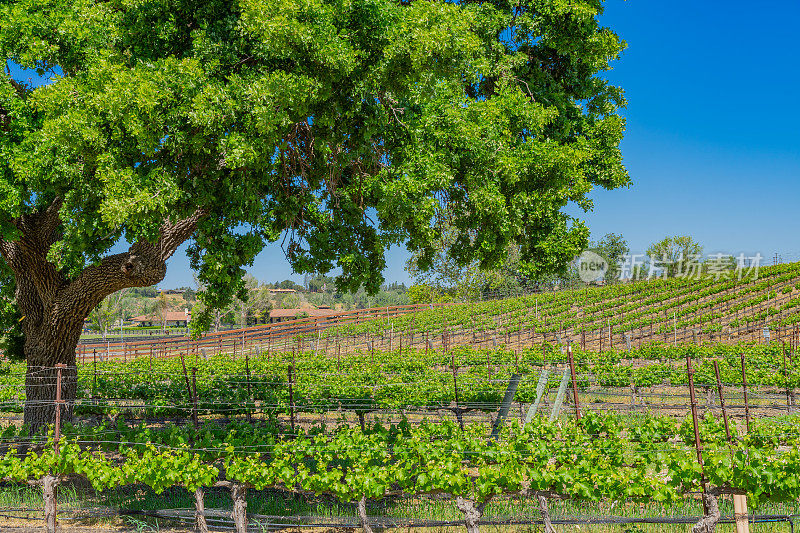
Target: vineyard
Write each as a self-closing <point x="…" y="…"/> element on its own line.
<point x="543" y="411"/>
<point x="535" y="382"/>
<point x="626" y="315"/>
<point x="386" y="426"/>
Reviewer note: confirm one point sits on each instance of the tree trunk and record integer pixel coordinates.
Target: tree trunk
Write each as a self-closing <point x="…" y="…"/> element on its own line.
<point x="44" y="348"/>
<point x="708" y="523"/>
<point x="55" y="302"/>
<point x="362" y="515"/>
<point x="472" y="513"/>
<point x="545" y="510"/>
<point x="239" y="515"/>
<point x="49" y="484"/>
<point x="200" y="511"/>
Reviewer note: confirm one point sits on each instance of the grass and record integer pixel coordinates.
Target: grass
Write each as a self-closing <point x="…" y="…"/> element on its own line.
<point x="84" y="502"/>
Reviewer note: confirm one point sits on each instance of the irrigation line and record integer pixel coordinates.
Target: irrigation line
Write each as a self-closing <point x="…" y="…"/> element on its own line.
<point x="216" y="518"/>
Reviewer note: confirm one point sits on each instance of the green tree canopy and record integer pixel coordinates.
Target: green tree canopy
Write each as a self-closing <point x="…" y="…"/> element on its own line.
<point x="680" y="255"/>
<point x="613" y="248"/>
<point x="340" y="127"/>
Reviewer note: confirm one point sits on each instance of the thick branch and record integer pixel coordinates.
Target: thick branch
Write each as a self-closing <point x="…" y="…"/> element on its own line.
<point x="21" y="89"/>
<point x="142" y="265"/>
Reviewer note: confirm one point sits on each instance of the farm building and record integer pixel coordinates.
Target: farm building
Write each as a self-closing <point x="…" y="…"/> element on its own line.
<point x="282" y="315"/>
<point x="173" y="319"/>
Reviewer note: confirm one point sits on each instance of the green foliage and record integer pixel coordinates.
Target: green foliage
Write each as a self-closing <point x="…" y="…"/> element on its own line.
<point x="612" y="248"/>
<point x="677" y="256"/>
<point x="12" y="339"/>
<point x="426" y="294"/>
<point x="600" y="459"/>
<point x="346" y="126"/>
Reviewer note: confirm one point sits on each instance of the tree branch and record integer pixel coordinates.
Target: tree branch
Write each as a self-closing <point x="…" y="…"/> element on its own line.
<point x="21" y="89"/>
<point x="144" y="264"/>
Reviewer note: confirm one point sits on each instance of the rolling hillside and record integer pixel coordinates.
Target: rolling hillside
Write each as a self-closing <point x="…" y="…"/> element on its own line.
<point x="598" y="318"/>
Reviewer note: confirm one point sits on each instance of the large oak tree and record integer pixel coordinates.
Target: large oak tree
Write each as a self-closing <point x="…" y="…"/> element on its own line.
<point x="340" y="127"/>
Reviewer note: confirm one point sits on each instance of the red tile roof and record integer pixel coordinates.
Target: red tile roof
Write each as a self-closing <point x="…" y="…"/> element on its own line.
<point x="291" y="313"/>
<point x="172" y="316"/>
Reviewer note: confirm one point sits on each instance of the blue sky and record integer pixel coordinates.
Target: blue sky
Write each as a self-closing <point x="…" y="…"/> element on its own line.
<point x="712" y="144"/>
<point x="712" y="137"/>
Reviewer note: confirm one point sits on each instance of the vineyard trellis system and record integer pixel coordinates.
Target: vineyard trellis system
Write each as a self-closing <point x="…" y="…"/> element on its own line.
<point x="288" y="445"/>
<point x="618" y="316"/>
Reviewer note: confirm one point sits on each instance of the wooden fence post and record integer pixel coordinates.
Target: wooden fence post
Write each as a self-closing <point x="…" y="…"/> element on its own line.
<point x="94" y="365"/>
<point x="574" y="382"/>
<point x="697" y="445"/>
<point x="249" y="391"/>
<point x="455" y="389"/>
<point x="50" y="482"/>
<point x="194" y="398"/>
<point x="291" y="396"/>
<point x="744" y="388"/>
<point x="722" y="402"/>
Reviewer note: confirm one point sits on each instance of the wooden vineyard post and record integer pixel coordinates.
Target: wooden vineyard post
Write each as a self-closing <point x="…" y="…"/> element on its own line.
<point x="697" y="445"/>
<point x="739" y="500"/>
<point x="675" y="327"/>
<point x="338" y="357"/>
<point x="722" y="402"/>
<point x="583" y="340"/>
<point x="188" y="385"/>
<point x="574" y="382"/>
<point x="600" y="330"/>
<point x="744" y="389"/>
<point x="57" y="431"/>
<point x="50" y="482"/>
<point x="785" y="377"/>
<point x="455" y="390"/>
<point x="94" y="366"/>
<point x="291" y="396"/>
<point x="249" y="391"/>
<point x="740" y="513"/>
<point x="194" y="398"/>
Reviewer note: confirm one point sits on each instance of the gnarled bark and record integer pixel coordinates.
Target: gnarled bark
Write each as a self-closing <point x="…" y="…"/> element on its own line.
<point x="708" y="523"/>
<point x="54" y="306"/>
<point x="472" y="512"/>
<point x="362" y="515"/>
<point x="201" y="526"/>
<point x="545" y="510"/>
<point x="239" y="514"/>
<point x="49" y="484"/>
